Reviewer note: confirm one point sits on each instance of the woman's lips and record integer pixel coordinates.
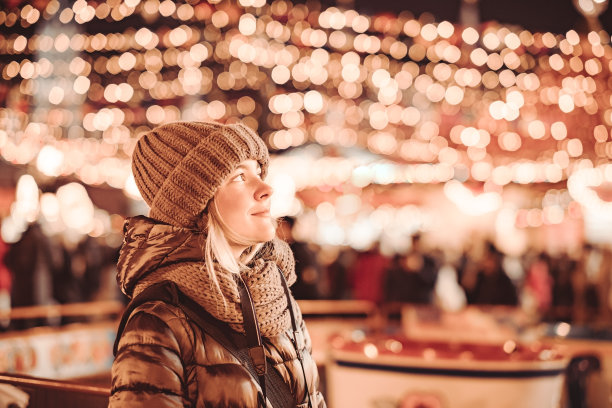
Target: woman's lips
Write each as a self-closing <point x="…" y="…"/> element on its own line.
<point x="265" y="213"/>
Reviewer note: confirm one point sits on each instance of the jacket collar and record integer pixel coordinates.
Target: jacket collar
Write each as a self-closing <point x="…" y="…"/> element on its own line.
<point x="149" y="244"/>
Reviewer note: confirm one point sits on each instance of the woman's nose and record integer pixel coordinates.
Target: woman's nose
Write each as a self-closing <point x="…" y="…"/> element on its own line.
<point x="264" y="190"/>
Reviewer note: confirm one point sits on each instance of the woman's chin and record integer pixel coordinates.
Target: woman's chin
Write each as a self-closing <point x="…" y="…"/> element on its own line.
<point x="263" y="234"/>
<point x="268" y="237"/>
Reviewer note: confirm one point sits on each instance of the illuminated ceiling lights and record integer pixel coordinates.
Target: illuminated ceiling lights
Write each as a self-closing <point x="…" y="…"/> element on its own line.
<point x="438" y="100"/>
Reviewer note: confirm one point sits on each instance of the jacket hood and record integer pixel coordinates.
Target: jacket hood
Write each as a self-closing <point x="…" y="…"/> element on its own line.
<point x="149" y="244"/>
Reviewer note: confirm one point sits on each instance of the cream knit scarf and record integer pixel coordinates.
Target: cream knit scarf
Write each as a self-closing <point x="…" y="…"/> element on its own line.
<point x="262" y="278"/>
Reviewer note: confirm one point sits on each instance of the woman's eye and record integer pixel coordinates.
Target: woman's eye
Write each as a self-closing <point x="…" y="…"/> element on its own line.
<point x="239" y="177"/>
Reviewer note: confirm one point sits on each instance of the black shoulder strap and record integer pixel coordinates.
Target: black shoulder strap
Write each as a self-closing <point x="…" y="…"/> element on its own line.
<point x="298" y="336"/>
<point x="236" y="343"/>
<point x="253" y="336"/>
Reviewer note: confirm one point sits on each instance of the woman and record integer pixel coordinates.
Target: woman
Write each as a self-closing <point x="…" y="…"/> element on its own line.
<point x="209" y="229"/>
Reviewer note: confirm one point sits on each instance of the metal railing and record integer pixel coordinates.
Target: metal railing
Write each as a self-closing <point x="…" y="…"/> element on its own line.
<point x="46" y="393"/>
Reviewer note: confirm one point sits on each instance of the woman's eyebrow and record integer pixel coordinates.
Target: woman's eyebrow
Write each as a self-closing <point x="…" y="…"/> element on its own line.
<point x="247" y="167"/>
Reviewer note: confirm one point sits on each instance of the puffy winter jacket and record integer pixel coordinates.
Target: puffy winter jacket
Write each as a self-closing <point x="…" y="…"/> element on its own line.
<point x="165" y="360"/>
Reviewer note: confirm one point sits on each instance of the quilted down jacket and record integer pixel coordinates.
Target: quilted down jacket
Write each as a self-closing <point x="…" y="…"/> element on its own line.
<point x="165" y="360"/>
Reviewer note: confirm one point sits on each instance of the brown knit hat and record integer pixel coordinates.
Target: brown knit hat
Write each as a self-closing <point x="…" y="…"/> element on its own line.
<point x="179" y="166"/>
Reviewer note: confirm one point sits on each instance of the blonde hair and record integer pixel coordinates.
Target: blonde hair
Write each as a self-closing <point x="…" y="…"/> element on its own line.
<point x="217" y="246"/>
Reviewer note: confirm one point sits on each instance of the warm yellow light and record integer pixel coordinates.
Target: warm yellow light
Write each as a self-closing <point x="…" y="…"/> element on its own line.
<point x="556" y="62"/>
<point x="81" y="85"/>
<point x="498" y="110"/>
<point x="411" y="116"/>
<point x="536" y="129"/>
<point x="501" y="175"/>
<point x="572" y="37"/>
<point x="378" y="119"/>
<point x="313" y="101"/>
<point x="512" y="41"/>
<point x="445" y="29"/>
<point x="592" y="66"/>
<point x="412" y="28"/>
<point x="198" y="52"/>
<point x="127" y="61"/>
<point x="491" y="41"/>
<point x="380" y="78"/>
<point x="56" y="95"/>
<point x="515" y="99"/>
<point x="49" y="161"/>
<point x="360" y="24"/>
<point x="549" y="40"/>
<point x="216" y="110"/>
<point x="280" y="74"/>
<point x="338" y="39"/>
<point x="247" y="24"/>
<point x="470" y="136"/>
<point x="470" y="35"/>
<point x="185" y="11"/>
<point x="558" y="130"/>
<point x="566" y="103"/>
<point x="167" y="8"/>
<point x="178" y="36"/>
<point x="350" y="72"/>
<point x="574" y="147"/>
<point x="429" y="32"/>
<point x="454" y="95"/>
<point x="561" y="158"/>
<point x="143" y="36"/>
<point x="442" y="72"/>
<point x="76" y="208"/>
<point x="600" y="133"/>
<point x="398" y="50"/>
<point x="479" y="56"/>
<point x="220" y="19"/>
<point x="509" y="141"/>
<point x="435" y="92"/>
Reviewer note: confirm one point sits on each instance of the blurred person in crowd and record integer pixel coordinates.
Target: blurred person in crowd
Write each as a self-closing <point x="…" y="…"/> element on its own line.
<point x="562" y="268"/>
<point x="34" y="262"/>
<point x="307" y="267"/>
<point x="6" y="281"/>
<point x="338" y="272"/>
<point x="38" y="265"/>
<point x="209" y="233"/>
<point x="591" y="282"/>
<point x="367" y="275"/>
<point x="405" y="280"/>
<point x="412" y="276"/>
<point x="90" y="263"/>
<point x="426" y="263"/>
<point x="538" y="284"/>
<point x="492" y="285"/>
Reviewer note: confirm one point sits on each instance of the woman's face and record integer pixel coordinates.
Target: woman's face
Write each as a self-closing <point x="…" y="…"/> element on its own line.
<point x="243" y="201"/>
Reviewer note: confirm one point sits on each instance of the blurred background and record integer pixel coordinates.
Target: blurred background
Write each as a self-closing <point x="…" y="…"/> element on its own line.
<point x="443" y="171"/>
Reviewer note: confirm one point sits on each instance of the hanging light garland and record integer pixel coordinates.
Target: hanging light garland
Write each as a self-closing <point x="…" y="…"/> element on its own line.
<point x="437" y="102"/>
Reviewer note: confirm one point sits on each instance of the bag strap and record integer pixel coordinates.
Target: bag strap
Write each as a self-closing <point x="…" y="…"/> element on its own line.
<point x="236" y="343"/>
<point x="298" y="336"/>
<point x="253" y="335"/>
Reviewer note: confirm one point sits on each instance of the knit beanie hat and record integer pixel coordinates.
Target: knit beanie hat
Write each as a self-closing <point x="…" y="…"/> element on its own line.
<point x="179" y="166"/>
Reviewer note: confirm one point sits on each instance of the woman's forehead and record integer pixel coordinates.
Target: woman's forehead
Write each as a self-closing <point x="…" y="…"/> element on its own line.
<point x="249" y="164"/>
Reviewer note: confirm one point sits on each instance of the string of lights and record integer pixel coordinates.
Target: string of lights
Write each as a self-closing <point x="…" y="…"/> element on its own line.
<point x="435" y="102"/>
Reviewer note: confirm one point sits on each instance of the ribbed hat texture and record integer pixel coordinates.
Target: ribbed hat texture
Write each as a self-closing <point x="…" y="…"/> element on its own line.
<point x="179" y="166"/>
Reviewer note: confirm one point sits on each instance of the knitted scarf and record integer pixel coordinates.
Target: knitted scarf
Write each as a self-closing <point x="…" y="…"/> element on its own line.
<point x="220" y="298"/>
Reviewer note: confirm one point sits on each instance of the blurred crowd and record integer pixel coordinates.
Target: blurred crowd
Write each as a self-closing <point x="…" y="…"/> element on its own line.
<point x="46" y="270"/>
<point x="562" y="286"/>
<point x="572" y="287"/>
